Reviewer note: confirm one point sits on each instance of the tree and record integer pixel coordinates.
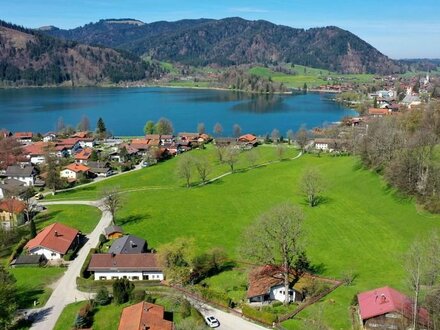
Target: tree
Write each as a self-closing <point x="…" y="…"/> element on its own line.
<point x="252" y="157"/>
<point x="203" y="167"/>
<point x="275" y="135"/>
<point x="101" y="130"/>
<point x="164" y="127"/>
<point x="302" y="138"/>
<point x="184" y="168"/>
<point x="218" y="129"/>
<point x="111" y="201"/>
<point x="60" y="125"/>
<point x="53" y="180"/>
<point x="290" y="136"/>
<point x="237" y="130"/>
<point x="8" y="298"/>
<point x="84" y="124"/>
<point x="305" y="88"/>
<point x="10" y="151"/>
<point x="312" y="186"/>
<point x="201" y="128"/>
<point x="281" y="151"/>
<point x="83" y="317"/>
<point x="94" y="155"/>
<point x="277" y="239"/>
<point x="230" y="157"/>
<point x="220" y="152"/>
<point x="122" y="290"/>
<point x="175" y="259"/>
<point x="149" y="127"/>
<point x="375" y="104"/>
<point x="29" y="209"/>
<point x="102" y="296"/>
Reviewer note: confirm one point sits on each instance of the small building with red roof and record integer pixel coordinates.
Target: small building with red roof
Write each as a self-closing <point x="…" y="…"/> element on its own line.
<point x="387" y="308"/>
<point x="83" y="156"/>
<point x="144" y="316"/>
<point x="72" y="172"/>
<point x="11" y="213"/>
<point x="54" y="241"/>
<point x="23" y="137"/>
<point x="377" y="112"/>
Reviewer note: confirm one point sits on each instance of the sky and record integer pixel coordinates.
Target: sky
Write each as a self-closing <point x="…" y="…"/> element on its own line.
<point x="397" y="28"/>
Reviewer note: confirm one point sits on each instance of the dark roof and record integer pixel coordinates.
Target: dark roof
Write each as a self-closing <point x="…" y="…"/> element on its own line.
<point x="17" y="170"/>
<point x="98" y="164"/>
<point x="128" y="244"/>
<point x="124" y="262"/>
<point x="34" y="259"/>
<point x="113" y="229"/>
<point x="13" y="186"/>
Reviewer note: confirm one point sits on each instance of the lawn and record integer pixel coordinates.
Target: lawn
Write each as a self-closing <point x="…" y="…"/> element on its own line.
<point x="363" y="226"/>
<point x="33" y="284"/>
<point x="81" y="217"/>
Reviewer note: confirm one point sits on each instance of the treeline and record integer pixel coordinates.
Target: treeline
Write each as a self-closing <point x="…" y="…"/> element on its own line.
<point x="406" y="150"/>
<point x="238" y="79"/>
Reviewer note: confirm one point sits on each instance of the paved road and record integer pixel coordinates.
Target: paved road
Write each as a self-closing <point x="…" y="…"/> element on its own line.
<point x="65" y="291"/>
<point x="228" y="321"/>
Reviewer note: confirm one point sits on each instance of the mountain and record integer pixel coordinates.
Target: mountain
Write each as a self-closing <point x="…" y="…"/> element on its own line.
<point x="28" y="57"/>
<point x="234" y="41"/>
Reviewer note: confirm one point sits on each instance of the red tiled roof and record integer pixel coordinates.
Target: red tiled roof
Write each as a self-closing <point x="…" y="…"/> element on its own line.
<point x="375" y="111"/>
<point x="56" y="237"/>
<point x="81" y="135"/>
<point x="144" y="316"/>
<point x="37" y="148"/>
<point x="84" y="154"/>
<point x="386" y="300"/>
<point x="77" y="168"/>
<point x="261" y="279"/>
<point x="12" y="205"/>
<point x="138" y="261"/>
<point x="23" y="135"/>
<point x="247" y="138"/>
<point x="70" y="142"/>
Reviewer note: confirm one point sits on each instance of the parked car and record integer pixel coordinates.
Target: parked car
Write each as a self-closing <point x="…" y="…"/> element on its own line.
<point x="39" y="196"/>
<point x="212" y="322"/>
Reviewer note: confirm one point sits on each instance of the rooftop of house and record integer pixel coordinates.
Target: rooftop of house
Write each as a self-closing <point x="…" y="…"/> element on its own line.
<point x="386" y="300"/>
<point x="77" y="168"/>
<point x="23" y="135"/>
<point x="28" y="260"/>
<point x="20" y="171"/>
<point x="36" y="149"/>
<point x="12" y="205"/>
<point x="377" y="111"/>
<point x="128" y="244"/>
<point x="84" y="154"/>
<point x="55" y="237"/>
<point x="248" y="138"/>
<point x="113" y="229"/>
<point x="124" y="262"/>
<point x="81" y="135"/>
<point x="143" y="316"/>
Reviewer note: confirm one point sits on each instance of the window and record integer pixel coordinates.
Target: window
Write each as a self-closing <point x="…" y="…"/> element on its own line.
<point x="53" y="254"/>
<point x="115" y="277"/>
<point x="135" y="278"/>
<point x="101" y="278"/>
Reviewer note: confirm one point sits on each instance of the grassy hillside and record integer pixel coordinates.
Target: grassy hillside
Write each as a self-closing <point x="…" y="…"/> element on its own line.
<point x="363" y="226"/>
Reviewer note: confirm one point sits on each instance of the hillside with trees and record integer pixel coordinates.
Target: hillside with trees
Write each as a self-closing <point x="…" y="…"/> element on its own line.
<point x="234" y="41"/>
<point x="29" y="58"/>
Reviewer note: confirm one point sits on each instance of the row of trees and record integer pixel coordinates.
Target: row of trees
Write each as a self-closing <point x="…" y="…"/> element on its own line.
<point x="163" y="127"/>
<point x="82" y="126"/>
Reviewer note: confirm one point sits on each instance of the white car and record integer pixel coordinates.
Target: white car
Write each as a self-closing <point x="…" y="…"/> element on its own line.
<point x="212" y="322"/>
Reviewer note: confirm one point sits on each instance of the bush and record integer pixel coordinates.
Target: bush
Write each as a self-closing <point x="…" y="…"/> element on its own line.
<point x="102" y="296"/>
<point x="122" y="291"/>
<point x="315" y="288"/>
<point x="260" y="316"/>
<point x="83" y="318"/>
<point x="220" y="298"/>
<point x="185" y="308"/>
<point x="18" y="249"/>
<point x="137" y="296"/>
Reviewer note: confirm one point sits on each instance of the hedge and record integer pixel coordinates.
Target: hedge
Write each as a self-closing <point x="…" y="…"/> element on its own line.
<point x="260" y="316"/>
<point x="217" y="297"/>
<point x="84" y="272"/>
<point x="18" y="249"/>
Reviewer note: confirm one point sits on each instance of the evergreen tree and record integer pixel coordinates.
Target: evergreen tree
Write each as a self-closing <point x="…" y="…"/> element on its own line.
<point x="101" y="130"/>
<point x="122" y="289"/>
<point x="102" y="297"/>
<point x="8" y="294"/>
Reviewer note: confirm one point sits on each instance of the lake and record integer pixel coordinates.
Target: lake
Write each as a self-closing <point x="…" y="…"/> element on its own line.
<point x="125" y="110"/>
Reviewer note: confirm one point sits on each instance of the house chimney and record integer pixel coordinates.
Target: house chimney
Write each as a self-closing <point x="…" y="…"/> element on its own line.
<point x="56" y="233"/>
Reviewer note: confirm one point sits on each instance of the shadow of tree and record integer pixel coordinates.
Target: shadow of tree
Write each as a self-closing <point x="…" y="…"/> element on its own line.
<point x="26" y="298"/>
<point x="46" y="216"/>
<point x="131" y="219"/>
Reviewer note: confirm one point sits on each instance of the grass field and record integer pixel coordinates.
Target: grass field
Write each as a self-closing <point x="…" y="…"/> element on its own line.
<point x="81" y="217"/>
<point x="33" y="284"/>
<point x="363" y="226"/>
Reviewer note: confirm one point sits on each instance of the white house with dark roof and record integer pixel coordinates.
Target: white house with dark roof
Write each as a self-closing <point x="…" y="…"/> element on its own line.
<point x="23" y="173"/>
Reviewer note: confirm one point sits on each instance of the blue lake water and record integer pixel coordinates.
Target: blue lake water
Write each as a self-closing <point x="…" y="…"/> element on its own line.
<point x="125" y="110"/>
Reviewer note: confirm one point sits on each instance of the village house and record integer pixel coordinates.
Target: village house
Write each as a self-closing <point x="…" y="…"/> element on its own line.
<point x="24" y="137"/>
<point x="49" y="137"/>
<point x="411" y="100"/>
<point x="100" y="168"/>
<point x="377" y="112"/>
<point x="143" y="316"/>
<point x="54" y="241"/>
<point x="11" y="213"/>
<point x="266" y="284"/>
<point x="141" y="266"/>
<point x="128" y="244"/>
<point x="113" y="232"/>
<point x="122" y="156"/>
<point x="387" y="308"/>
<point x="248" y="141"/>
<point x="327" y="144"/>
<point x="73" y="172"/>
<point x="70" y="145"/>
<point x="12" y="188"/>
<point x="36" y="152"/>
<point x="83" y="156"/>
<point x="23" y="173"/>
<point x="28" y="261"/>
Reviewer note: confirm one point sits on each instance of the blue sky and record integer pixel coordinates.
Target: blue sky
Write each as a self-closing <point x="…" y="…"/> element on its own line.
<point x="398" y="28"/>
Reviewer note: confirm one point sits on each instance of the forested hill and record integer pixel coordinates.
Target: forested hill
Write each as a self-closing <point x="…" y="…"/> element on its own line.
<point x="29" y="58"/>
<point x="233" y="41"/>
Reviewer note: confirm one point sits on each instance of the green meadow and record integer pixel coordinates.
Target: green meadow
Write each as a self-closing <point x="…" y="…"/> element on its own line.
<point x="363" y="226"/>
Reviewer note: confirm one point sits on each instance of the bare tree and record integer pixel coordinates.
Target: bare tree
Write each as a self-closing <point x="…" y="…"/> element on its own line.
<point x="252" y="157"/>
<point x="29" y="209"/>
<point x="312" y="186"/>
<point x="302" y="138"/>
<point x="201" y="128"/>
<point x="281" y="151"/>
<point x="290" y="136"/>
<point x="60" y="126"/>
<point x="203" y="167"/>
<point x="220" y="152"/>
<point x="184" y="168"/>
<point x="218" y="129"/>
<point x="84" y="124"/>
<point x="237" y="130"/>
<point x="230" y="157"/>
<point x="275" y="135"/>
<point x="277" y="239"/>
<point x="111" y="201"/>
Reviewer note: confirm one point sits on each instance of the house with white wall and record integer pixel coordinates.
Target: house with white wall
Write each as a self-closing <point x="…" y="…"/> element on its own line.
<point x="23" y="173"/>
<point x="54" y="241"/>
<point x="72" y="172"/>
<point x="135" y="267"/>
